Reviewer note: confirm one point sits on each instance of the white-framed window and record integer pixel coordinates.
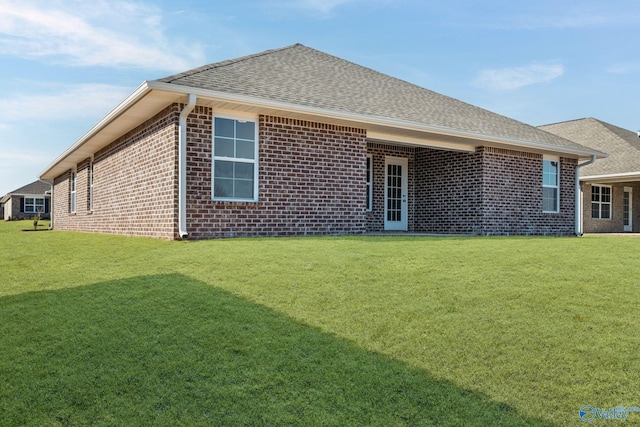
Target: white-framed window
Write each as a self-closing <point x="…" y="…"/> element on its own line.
<point x="600" y="202"/>
<point x="369" y="182"/>
<point x="34" y="205"/>
<point x="235" y="159"/>
<point x="550" y="185"/>
<point x="72" y="192"/>
<point x="90" y="195"/>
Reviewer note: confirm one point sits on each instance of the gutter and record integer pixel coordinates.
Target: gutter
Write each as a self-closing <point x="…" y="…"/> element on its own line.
<point x="578" y="207"/>
<point x="182" y="167"/>
<point x="613" y="177"/>
<point x="372" y="120"/>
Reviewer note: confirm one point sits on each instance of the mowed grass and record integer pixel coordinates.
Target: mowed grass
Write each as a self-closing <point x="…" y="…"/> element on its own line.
<point x="110" y="330"/>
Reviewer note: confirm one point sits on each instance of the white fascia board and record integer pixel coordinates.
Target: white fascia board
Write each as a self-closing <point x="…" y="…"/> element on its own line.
<point x="614" y="177"/>
<point x="373" y="120"/>
<point x="120" y="109"/>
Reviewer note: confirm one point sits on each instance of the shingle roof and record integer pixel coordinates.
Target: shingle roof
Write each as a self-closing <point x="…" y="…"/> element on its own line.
<point x="623" y="146"/>
<point x="304" y="76"/>
<point x="34" y="188"/>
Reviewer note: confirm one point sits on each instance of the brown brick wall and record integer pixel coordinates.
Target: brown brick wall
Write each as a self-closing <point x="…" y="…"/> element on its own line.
<point x="616" y="223"/>
<point x="448" y="192"/>
<point x="135" y="184"/>
<point x="379" y="152"/>
<point x="512" y="195"/>
<point x="311" y="181"/>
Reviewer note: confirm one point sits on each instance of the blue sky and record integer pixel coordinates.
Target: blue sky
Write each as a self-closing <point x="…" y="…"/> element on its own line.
<point x="66" y="64"/>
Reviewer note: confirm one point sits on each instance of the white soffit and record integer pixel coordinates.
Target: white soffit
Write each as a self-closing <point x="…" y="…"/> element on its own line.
<point x="151" y="97"/>
<point x="428" y="140"/>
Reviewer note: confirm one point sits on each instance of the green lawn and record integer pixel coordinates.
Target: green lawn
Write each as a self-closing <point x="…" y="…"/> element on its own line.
<point x="331" y="331"/>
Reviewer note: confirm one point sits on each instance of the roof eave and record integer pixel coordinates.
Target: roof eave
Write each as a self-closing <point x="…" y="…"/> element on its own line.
<point x="379" y="121"/>
<point x="613" y="177"/>
<point x="113" y="115"/>
<point x="78" y="151"/>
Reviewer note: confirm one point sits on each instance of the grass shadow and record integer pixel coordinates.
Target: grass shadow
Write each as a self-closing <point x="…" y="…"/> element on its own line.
<point x="169" y="350"/>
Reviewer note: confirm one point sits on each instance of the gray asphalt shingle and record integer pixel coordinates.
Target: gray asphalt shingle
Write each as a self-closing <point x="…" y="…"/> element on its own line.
<point x="304" y="76"/>
<point x="623" y="146"/>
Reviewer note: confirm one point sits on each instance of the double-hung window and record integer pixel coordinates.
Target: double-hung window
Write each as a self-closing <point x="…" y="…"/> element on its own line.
<point x="90" y="192"/>
<point x="600" y="202"/>
<point x="235" y="154"/>
<point x="34" y="205"/>
<point x="72" y="194"/>
<point x="369" y="184"/>
<point x="550" y="185"/>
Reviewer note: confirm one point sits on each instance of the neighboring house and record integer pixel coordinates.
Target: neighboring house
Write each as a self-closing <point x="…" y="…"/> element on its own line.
<point x="27" y="201"/>
<point x="294" y="141"/>
<point x="610" y="187"/>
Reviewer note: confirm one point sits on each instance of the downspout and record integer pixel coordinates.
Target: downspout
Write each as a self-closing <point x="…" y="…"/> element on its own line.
<point x="182" y="167"/>
<point x="578" y="207"/>
<point x="50" y="182"/>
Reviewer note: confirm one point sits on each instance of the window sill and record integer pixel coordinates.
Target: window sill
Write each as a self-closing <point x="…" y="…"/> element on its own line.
<point x="234" y="201"/>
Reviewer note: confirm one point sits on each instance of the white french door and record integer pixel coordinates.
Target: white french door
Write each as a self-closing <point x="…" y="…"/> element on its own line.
<point x="395" y="194"/>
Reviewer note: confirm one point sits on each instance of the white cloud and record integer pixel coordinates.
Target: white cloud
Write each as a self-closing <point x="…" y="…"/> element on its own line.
<point x="324" y="7"/>
<point x="68" y="102"/>
<point x="320" y="8"/>
<point x="19" y="168"/>
<point x="625" y="68"/>
<point x="17" y="159"/>
<point x="102" y="33"/>
<point x="503" y="79"/>
<point x="569" y="21"/>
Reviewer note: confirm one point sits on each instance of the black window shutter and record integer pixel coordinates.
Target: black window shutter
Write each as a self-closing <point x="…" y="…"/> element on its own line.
<point x="46" y="205"/>
<point x="22" y="204"/>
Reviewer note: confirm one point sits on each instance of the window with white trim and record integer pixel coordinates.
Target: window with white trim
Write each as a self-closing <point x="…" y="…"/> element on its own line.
<point x="34" y="205"/>
<point x="72" y="193"/>
<point x="90" y="193"/>
<point x="235" y="159"/>
<point x="600" y="202"/>
<point x="369" y="183"/>
<point x="550" y="185"/>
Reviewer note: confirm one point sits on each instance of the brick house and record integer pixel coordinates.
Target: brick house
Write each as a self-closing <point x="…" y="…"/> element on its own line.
<point x="294" y="141"/>
<point x="27" y="201"/>
<point x="610" y="187"/>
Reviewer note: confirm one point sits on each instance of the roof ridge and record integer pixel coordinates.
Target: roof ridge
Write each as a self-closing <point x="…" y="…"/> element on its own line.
<point x="206" y="67"/>
<point x="566" y="121"/>
<point x="30" y="187"/>
<point x="625" y="135"/>
<point x="362" y="97"/>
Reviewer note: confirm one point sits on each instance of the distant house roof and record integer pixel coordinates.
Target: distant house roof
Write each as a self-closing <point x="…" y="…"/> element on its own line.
<point x="36" y="188"/>
<point x="623" y="147"/>
<point x="301" y="82"/>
